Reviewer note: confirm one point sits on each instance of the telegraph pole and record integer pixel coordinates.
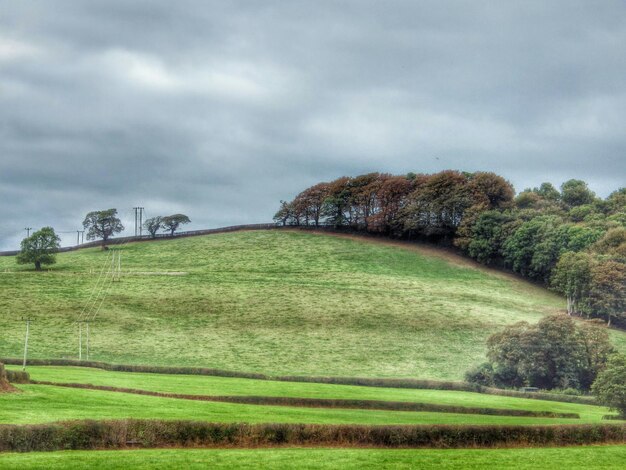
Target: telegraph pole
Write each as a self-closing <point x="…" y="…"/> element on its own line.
<point x="27" y="320"/>
<point x="141" y="221"/>
<point x="28" y="229"/>
<point x="138" y="219"/>
<point x="80" y="235"/>
<point x="80" y="339"/>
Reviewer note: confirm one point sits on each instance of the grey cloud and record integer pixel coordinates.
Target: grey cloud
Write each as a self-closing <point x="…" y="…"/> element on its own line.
<point x="220" y="109"/>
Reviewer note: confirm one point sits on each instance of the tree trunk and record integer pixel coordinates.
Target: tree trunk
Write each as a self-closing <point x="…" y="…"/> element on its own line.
<point x="38" y="265"/>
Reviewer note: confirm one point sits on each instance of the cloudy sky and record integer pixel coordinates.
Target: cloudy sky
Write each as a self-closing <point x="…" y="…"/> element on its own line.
<point x="219" y="109"/>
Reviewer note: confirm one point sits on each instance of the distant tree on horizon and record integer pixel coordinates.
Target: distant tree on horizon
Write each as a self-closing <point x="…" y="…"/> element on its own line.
<point x="172" y="222"/>
<point x="153" y="225"/>
<point x="102" y="224"/>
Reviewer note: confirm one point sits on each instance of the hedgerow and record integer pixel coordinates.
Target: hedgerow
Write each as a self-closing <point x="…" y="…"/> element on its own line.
<point x="119" y="434"/>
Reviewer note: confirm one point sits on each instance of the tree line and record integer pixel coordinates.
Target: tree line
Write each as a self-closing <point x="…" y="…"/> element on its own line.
<point x="41" y="247"/>
<point x="568" y="239"/>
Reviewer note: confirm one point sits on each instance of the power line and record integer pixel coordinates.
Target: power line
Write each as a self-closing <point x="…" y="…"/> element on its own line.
<point x="27" y="320"/>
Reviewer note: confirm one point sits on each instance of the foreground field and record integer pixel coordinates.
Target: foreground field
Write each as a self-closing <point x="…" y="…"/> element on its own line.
<point x="276" y="302"/>
<point x="589" y="457"/>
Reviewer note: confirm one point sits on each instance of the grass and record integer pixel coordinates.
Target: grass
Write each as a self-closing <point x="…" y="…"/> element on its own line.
<point x="43" y="404"/>
<point x="589" y="457"/>
<point x="207" y="385"/>
<point x="277" y="302"/>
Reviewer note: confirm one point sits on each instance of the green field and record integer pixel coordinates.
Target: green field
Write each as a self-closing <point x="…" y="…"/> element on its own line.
<point x="207" y="385"/>
<point x="277" y="302"/>
<point x="588" y="457"/>
<point x="44" y="403"/>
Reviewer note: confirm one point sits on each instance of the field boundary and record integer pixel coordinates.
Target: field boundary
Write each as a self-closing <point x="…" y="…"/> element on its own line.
<point x="130" y="433"/>
<point x="357" y="381"/>
<point x="321" y="402"/>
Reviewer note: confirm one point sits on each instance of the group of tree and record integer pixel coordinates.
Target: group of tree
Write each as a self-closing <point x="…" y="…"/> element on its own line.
<point x="41" y="247"/>
<point x="570" y="239"/>
<point x="556" y="353"/>
<point x="168" y="223"/>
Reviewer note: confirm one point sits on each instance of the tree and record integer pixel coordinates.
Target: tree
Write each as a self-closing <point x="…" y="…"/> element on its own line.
<point x="102" y="224"/>
<point x="284" y="215"/>
<point x="607" y="296"/>
<point x="487" y="234"/>
<point x="172" y="222"/>
<point x="554" y="353"/>
<point x="153" y="225"/>
<point x="610" y="386"/>
<point x="40" y="248"/>
<point x="572" y="277"/>
<point x="576" y="193"/>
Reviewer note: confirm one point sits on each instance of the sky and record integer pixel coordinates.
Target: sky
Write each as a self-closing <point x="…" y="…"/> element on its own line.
<point x="220" y="109"/>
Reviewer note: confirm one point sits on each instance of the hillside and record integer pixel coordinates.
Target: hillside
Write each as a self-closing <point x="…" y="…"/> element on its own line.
<point x="278" y="302"/>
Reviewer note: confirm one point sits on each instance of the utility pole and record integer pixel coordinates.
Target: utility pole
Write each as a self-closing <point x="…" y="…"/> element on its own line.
<point x="27" y="320"/>
<point x="80" y="234"/>
<point x="28" y="229"/>
<point x="80" y="339"/>
<point x="138" y="219"/>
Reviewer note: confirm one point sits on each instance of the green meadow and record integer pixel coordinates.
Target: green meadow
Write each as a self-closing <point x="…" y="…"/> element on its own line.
<point x="276" y="302"/>
<point x="226" y="386"/>
<point x="588" y="457"/>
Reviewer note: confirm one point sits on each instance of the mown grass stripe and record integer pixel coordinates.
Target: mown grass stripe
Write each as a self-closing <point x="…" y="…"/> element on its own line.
<point x="323" y="402"/>
<point x="358" y="381"/>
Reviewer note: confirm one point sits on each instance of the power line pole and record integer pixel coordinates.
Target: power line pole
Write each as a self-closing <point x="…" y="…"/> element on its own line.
<point x="27" y="320"/>
<point x="141" y="221"/>
<point x="80" y="339"/>
<point x="138" y="219"/>
<point x="28" y="229"/>
<point x="80" y="234"/>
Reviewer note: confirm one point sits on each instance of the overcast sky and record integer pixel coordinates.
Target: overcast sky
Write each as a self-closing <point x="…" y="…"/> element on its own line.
<point x="219" y="109"/>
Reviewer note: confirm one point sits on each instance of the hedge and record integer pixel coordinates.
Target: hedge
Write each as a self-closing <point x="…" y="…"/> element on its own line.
<point x="120" y="434"/>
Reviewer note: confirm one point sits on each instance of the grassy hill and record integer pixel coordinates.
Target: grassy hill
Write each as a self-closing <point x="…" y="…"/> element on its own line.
<point x="278" y="302"/>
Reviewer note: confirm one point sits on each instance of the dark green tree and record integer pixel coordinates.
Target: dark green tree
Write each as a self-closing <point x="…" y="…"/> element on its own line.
<point x="610" y="386"/>
<point x="554" y="353"/>
<point x="572" y="278"/>
<point x="172" y="222"/>
<point x="40" y="248"/>
<point x="153" y="225"/>
<point x="102" y="224"/>
<point x="576" y="193"/>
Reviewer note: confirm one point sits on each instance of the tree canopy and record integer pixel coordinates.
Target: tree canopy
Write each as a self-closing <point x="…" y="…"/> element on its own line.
<point x="102" y="224"/>
<point x="172" y="222"/>
<point x="554" y="353"/>
<point x="40" y="248"/>
<point x="610" y="386"/>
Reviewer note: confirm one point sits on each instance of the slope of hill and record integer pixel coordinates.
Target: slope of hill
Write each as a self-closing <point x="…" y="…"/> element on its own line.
<point x="278" y="302"/>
